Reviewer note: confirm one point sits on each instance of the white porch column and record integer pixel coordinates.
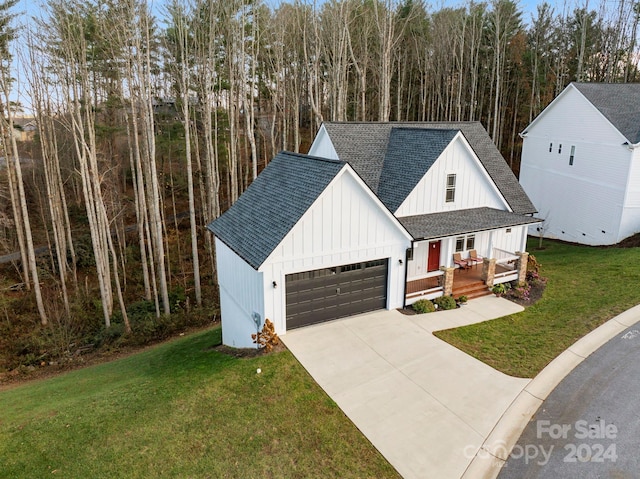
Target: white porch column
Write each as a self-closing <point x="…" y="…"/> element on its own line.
<point x="490" y="252"/>
<point x="523" y="245"/>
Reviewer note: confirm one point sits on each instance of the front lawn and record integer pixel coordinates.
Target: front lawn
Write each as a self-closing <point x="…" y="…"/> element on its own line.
<point x="586" y="287"/>
<point x="182" y="410"/>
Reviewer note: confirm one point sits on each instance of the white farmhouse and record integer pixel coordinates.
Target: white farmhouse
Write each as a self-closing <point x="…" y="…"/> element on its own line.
<point x="581" y="164"/>
<point x="370" y="219"/>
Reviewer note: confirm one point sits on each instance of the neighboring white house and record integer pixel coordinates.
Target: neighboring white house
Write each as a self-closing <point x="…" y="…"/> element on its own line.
<point x="581" y="164"/>
<point x="370" y="219"/>
<point x="24" y="128"/>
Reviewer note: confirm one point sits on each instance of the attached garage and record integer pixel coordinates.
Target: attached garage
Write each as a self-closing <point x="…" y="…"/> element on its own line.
<point x="332" y="293"/>
<point x="290" y="251"/>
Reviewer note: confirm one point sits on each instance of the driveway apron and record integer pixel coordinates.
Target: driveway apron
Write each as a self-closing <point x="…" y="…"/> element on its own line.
<point x="425" y="405"/>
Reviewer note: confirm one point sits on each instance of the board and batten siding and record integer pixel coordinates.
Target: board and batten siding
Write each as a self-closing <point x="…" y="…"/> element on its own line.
<point x="345" y="225"/>
<point x="241" y="296"/>
<point x="417" y="267"/>
<point x="507" y="239"/>
<point x="630" y="222"/>
<point x="581" y="202"/>
<point x="474" y="188"/>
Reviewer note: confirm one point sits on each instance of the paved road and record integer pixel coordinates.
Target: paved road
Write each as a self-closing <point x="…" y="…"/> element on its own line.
<point x="589" y="427"/>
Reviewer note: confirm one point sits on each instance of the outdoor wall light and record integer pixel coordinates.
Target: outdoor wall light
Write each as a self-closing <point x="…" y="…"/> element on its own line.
<point x="400" y="261"/>
<point x="275" y="285"/>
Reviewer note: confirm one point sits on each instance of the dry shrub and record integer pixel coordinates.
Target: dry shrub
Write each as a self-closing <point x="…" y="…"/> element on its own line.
<point x="267" y="338"/>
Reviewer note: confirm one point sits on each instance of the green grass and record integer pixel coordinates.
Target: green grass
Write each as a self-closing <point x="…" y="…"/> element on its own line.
<point x="586" y="287"/>
<point x="182" y="410"/>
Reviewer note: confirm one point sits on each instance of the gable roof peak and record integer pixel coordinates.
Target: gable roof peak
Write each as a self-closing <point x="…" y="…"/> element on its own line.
<point x="276" y="200"/>
<point x="619" y="103"/>
<point x="364" y="146"/>
<point x="411" y="152"/>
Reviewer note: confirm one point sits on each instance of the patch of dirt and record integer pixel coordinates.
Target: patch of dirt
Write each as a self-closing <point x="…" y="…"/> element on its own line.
<point x="246" y="352"/>
<point x="630" y="242"/>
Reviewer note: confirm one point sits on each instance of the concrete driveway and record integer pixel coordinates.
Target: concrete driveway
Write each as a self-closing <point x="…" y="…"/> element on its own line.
<point x="425" y="405"/>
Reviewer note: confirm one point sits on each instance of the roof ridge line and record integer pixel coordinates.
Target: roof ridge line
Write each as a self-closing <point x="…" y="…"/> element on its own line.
<point x="312" y="157"/>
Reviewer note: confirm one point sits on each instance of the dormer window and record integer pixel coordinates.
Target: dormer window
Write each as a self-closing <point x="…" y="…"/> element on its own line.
<point x="451" y="188"/>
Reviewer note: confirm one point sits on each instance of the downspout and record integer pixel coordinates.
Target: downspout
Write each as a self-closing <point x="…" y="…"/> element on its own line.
<point x="406" y="272"/>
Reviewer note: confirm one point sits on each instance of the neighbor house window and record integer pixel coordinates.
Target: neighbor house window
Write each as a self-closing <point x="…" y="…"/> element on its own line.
<point x="560" y="148"/>
<point x="573" y="152"/>
<point x="451" y="188"/>
<point x="471" y="241"/>
<point x="550" y="147"/>
<point x="459" y="244"/>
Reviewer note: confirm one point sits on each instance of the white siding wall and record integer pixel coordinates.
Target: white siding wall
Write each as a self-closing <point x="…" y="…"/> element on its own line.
<point x="579" y="201"/>
<point x="241" y="295"/>
<point x="345" y="225"/>
<point x="473" y="186"/>
<point x="418" y="266"/>
<point x="322" y="146"/>
<point x="630" y="223"/>
<point x="512" y="242"/>
<point x="485" y="241"/>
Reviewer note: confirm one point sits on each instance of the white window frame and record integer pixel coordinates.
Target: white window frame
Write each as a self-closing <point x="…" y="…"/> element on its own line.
<point x="450" y="188"/>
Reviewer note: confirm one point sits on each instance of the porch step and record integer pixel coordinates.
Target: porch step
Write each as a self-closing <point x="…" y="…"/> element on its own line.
<point x="472" y="290"/>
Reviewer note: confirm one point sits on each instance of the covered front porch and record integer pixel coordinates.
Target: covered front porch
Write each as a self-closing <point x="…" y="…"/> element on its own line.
<point x="490" y="245"/>
<point x="468" y="282"/>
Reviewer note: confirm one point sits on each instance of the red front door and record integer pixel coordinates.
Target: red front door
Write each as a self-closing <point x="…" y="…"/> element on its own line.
<point x="433" y="261"/>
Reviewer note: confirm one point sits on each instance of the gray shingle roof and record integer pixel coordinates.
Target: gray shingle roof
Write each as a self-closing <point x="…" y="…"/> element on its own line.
<point x="410" y="154"/>
<point x="451" y="223"/>
<point x="364" y="145"/>
<point x="273" y="204"/>
<point x="619" y="103"/>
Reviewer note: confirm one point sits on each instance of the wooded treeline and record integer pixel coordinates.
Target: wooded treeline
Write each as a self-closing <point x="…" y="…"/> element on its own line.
<point x="145" y="113"/>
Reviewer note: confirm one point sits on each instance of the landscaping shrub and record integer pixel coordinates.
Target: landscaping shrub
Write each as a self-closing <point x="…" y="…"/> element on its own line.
<point x="520" y="291"/>
<point x="423" y="306"/>
<point x="445" y="302"/>
<point x="500" y="289"/>
<point x="534" y="278"/>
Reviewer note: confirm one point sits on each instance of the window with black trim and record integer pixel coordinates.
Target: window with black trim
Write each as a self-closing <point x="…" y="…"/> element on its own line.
<point x="560" y="148"/>
<point x="465" y="243"/>
<point x="573" y="153"/>
<point x="550" y="147"/>
<point x="471" y="241"/>
<point x="451" y="188"/>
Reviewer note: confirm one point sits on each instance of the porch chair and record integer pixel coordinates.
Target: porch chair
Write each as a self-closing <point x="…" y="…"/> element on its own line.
<point x="462" y="264"/>
<point x="473" y="256"/>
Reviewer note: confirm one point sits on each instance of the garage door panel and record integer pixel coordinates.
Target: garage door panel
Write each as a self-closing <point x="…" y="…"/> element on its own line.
<point x="331" y="293"/>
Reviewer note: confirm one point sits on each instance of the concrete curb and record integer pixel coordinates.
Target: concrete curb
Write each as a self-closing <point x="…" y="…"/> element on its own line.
<point x="496" y="448"/>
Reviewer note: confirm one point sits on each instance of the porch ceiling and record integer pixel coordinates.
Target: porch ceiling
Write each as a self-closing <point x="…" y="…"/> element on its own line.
<point x="452" y="223"/>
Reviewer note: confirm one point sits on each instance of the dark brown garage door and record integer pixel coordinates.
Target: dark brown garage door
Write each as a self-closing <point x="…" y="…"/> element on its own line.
<point x="331" y="293"/>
